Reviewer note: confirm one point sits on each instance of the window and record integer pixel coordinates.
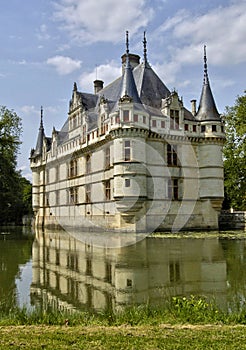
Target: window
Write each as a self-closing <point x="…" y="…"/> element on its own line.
<point x="127" y="182"/>
<point x="129" y="282"/>
<point x="172" y="158"/>
<point x="214" y="128"/>
<point x="88" y="193"/>
<point x="57" y="173"/>
<point x="126" y="116"/>
<point x="108" y="272"/>
<point x="117" y="119"/>
<point x="47" y="176"/>
<point x="88" y="164"/>
<point x="174" y="119"/>
<point x="144" y="119"/>
<point x="102" y="124"/>
<point x="107" y="157"/>
<point x="88" y="270"/>
<point x="57" y="257"/>
<point x="222" y="128"/>
<point x="73" y="168"/>
<point x="194" y="128"/>
<point x="73" y="195"/>
<point x="174" y="271"/>
<point x="127" y="150"/>
<point x="173" y="192"/>
<point x="57" y="196"/>
<point x="154" y="123"/>
<point x="163" y="124"/>
<point x="203" y="128"/>
<point x="135" y="118"/>
<point x="186" y="127"/>
<point x="107" y="190"/>
<point x="72" y="261"/>
<point x="84" y="134"/>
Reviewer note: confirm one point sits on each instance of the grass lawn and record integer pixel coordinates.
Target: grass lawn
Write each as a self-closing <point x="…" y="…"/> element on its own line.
<point x="163" y="336"/>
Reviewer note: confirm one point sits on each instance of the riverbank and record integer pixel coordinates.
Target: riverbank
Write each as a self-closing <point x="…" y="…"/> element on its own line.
<point x="182" y="323"/>
<point x="162" y="336"/>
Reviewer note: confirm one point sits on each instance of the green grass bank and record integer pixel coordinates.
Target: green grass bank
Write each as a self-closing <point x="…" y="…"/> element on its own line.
<point x="182" y="323"/>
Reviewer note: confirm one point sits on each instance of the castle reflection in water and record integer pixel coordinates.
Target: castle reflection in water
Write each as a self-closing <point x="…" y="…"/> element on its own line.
<point x="70" y="274"/>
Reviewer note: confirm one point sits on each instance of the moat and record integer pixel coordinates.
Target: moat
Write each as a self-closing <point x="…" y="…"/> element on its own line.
<point x="60" y="270"/>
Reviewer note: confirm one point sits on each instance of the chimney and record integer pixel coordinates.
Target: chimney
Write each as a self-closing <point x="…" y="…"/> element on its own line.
<point x="193" y="107"/>
<point x="98" y="85"/>
<point x="134" y="61"/>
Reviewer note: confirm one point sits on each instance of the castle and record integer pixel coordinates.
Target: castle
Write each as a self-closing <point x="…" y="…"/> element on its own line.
<point x="130" y="157"/>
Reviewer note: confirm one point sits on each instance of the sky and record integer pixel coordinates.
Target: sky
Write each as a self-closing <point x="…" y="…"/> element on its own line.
<point x="47" y="45"/>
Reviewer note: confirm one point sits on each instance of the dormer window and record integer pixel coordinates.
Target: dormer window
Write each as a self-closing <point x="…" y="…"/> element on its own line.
<point x="84" y="133"/>
<point x="135" y="118"/>
<point x="214" y="128"/>
<point x="126" y="116"/>
<point x="174" y="119"/>
<point x="154" y="123"/>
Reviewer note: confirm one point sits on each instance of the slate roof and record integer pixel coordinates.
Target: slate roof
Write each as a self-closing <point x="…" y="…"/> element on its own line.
<point x="207" y="110"/>
<point x="145" y="89"/>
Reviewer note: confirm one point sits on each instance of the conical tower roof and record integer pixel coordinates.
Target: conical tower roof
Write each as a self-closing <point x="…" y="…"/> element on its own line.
<point x="39" y="144"/>
<point x="207" y="109"/>
<point x="128" y="87"/>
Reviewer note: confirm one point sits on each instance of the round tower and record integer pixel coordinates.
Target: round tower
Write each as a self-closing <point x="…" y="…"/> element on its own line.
<point x="210" y="154"/>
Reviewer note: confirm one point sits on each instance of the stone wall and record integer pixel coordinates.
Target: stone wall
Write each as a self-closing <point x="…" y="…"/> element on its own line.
<point x="232" y="220"/>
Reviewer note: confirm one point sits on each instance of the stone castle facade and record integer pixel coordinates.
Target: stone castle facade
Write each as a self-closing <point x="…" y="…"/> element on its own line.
<point x="131" y="157"/>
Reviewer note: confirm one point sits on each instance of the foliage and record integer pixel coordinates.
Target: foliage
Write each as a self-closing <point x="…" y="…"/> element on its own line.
<point x="14" y="189"/>
<point x="235" y="155"/>
<point x="177" y="310"/>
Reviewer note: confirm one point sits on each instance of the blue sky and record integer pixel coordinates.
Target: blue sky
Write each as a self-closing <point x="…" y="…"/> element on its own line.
<point x="47" y="45"/>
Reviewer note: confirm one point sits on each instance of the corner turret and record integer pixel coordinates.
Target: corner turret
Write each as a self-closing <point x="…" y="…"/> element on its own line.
<point x="207" y="110"/>
<point x="39" y="145"/>
<point x="129" y="88"/>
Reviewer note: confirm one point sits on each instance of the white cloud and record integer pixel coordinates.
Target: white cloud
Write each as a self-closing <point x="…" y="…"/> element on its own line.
<point x="105" y="20"/>
<point x="64" y="65"/>
<point x="29" y="110"/>
<point x="105" y="72"/>
<point x="223" y="29"/>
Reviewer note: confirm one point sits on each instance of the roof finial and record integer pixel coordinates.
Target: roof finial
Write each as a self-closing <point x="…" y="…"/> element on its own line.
<point x="127" y="43"/>
<point x="75" y="86"/>
<point x="145" y="48"/>
<point x="41" y="118"/>
<point x="205" y="80"/>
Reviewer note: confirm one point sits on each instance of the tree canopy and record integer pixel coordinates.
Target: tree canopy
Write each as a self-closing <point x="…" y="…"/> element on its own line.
<point x="235" y="155"/>
<point x="14" y="201"/>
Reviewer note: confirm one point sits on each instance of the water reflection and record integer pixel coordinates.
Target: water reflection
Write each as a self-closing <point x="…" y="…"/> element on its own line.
<point x="15" y="251"/>
<point x="71" y="274"/>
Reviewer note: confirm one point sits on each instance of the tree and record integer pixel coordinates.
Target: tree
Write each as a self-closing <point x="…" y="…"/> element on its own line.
<point x="235" y="155"/>
<point x="13" y="203"/>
